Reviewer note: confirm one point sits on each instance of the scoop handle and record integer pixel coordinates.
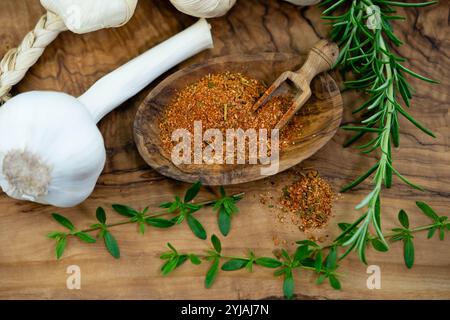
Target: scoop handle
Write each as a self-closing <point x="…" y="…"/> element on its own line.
<point x="321" y="58"/>
<point x="123" y="83"/>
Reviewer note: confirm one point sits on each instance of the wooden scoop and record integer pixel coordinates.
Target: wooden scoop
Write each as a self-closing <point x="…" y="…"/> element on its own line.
<point x="320" y="118"/>
<point x="321" y="58"/>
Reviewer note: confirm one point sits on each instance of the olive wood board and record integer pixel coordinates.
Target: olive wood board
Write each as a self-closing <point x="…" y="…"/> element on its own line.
<point x="28" y="268"/>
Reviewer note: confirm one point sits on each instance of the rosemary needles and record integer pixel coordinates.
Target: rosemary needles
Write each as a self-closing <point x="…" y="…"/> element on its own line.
<point x="364" y="33"/>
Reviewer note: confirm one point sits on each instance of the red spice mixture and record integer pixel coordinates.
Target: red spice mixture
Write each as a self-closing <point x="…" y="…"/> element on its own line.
<point x="309" y="199"/>
<point x="224" y="101"/>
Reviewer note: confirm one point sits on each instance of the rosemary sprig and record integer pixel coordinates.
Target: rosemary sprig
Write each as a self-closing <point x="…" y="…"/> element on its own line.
<point x="179" y="210"/>
<point x="309" y="255"/>
<point x="363" y="32"/>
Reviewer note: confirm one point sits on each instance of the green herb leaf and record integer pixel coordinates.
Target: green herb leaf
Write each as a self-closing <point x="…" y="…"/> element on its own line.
<point x="224" y="221"/>
<point x="101" y="215"/>
<point x="170" y="265"/>
<point x="311" y="243"/>
<point x="268" y="262"/>
<point x="234" y="264"/>
<point x="288" y="284"/>
<point x="56" y="235"/>
<point x="403" y="218"/>
<point x="61" y="244"/>
<point x="63" y="221"/>
<point x="334" y="282"/>
<point x="171" y="247"/>
<point x="195" y="259"/>
<point x="301" y="253"/>
<point x="124" y="210"/>
<point x="427" y="210"/>
<point x="441" y="234"/>
<point x="192" y="192"/>
<point x="111" y="244"/>
<point x="141" y="227"/>
<point x="85" y="237"/>
<point x="159" y="222"/>
<point x="408" y="250"/>
<point x="331" y="260"/>
<point x="211" y="275"/>
<point x="182" y="259"/>
<point x="321" y="279"/>
<point x="379" y="245"/>
<point x="318" y="262"/>
<point x="216" y="243"/>
<point x="196" y="227"/>
<point x="431" y="232"/>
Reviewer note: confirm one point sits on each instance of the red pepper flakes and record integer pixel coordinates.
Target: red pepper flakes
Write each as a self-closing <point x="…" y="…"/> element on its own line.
<point x="309" y="199"/>
<point x="224" y="101"/>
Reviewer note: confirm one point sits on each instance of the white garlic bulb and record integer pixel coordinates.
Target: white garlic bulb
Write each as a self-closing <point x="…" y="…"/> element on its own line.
<point x="82" y="16"/>
<point x="51" y="150"/>
<point x="204" y="8"/>
<point x="46" y="156"/>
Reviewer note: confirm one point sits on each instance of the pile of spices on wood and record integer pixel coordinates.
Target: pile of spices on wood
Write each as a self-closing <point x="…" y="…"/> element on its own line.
<point x="309" y="199"/>
<point x="224" y="101"/>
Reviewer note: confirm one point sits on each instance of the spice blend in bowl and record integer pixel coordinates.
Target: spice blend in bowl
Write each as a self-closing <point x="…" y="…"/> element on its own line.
<point x="224" y="101"/>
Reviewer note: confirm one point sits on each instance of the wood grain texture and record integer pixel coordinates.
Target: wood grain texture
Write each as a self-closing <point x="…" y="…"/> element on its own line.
<point x="73" y="62"/>
<point x="320" y="117"/>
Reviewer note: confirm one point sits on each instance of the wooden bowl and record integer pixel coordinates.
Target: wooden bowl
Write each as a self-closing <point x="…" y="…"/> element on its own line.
<point x="323" y="114"/>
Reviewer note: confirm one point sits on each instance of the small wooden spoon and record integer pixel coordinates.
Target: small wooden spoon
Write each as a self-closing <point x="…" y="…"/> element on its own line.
<point x="321" y="116"/>
<point x="321" y="58"/>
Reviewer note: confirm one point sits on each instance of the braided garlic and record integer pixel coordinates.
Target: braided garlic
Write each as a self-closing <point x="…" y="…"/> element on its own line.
<point x="79" y="16"/>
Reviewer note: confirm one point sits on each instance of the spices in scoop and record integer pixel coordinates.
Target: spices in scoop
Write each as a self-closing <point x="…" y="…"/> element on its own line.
<point x="309" y="199"/>
<point x="224" y="101"/>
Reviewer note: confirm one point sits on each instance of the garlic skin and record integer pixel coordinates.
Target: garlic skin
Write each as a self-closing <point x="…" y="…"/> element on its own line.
<point x="47" y="157"/>
<point x="303" y="2"/>
<point x="204" y="8"/>
<point x="51" y="150"/>
<point x="82" y="16"/>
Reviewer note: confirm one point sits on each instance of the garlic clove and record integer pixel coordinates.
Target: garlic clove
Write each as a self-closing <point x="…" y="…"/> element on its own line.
<point x="82" y="16"/>
<point x="204" y="8"/>
<point x="303" y="2"/>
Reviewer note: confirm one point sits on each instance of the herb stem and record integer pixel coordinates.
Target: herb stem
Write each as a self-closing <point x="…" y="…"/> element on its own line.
<point x="390" y="235"/>
<point x="159" y="214"/>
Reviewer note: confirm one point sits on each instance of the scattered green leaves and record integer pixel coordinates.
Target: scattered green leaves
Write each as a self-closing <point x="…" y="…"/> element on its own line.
<point x="179" y="210"/>
<point x="309" y="255"/>
<point x="226" y="207"/>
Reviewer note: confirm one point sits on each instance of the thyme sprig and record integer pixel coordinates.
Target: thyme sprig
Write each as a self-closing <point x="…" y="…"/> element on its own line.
<point x="178" y="210"/>
<point x="323" y="261"/>
<point x="364" y="33"/>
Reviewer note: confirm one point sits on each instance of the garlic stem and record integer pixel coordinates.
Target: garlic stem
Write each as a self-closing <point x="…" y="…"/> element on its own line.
<point x="123" y="83"/>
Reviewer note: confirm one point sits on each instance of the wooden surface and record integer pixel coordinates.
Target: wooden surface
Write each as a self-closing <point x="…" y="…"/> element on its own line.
<point x="321" y="117"/>
<point x="74" y="62"/>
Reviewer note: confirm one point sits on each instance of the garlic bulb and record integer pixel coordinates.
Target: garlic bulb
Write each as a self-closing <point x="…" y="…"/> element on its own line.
<point x="51" y="150"/>
<point x="82" y="16"/>
<point x="204" y="8"/>
<point x="48" y="157"/>
<point x="303" y="2"/>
